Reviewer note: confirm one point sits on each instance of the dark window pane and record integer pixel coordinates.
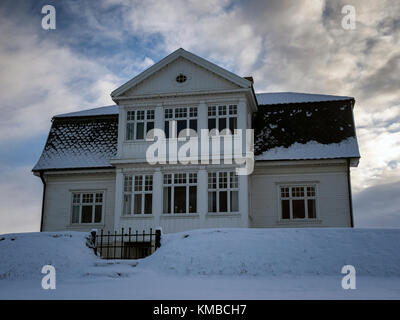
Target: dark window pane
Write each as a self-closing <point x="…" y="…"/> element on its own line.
<point x="75" y="214"/>
<point x="138" y="204"/>
<point x="167" y="200"/>
<point x="193" y="125"/>
<point x="97" y="213"/>
<point x="232" y="124"/>
<point x="212" y="201"/>
<point x="166" y="129"/>
<point x="180" y="200"/>
<point x="129" y="131"/>
<point x="212" y="124"/>
<point x="148" y="199"/>
<point x="192" y="199"/>
<point x="298" y="208"/>
<point x="140" y="130"/>
<point x="223" y="201"/>
<point x="311" y="209"/>
<point x="285" y="209"/>
<point x="86" y="214"/>
<point x="150" y="126"/>
<point x="181" y="125"/>
<point x="221" y="124"/>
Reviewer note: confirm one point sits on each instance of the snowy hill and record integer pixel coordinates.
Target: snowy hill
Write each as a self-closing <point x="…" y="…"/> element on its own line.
<point x="263" y="252"/>
<point x="221" y="263"/>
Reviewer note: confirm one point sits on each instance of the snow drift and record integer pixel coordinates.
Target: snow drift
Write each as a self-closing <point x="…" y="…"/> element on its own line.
<point x="270" y="252"/>
<point x="23" y="255"/>
<point x="225" y="252"/>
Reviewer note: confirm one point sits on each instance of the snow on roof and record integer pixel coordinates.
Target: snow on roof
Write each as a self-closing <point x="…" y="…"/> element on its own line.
<point x="296" y="97"/>
<point x="311" y="150"/>
<point x="79" y="143"/>
<point x="100" y="111"/>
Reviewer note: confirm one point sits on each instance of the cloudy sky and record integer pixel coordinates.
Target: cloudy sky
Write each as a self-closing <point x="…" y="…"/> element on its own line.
<point x="285" y="45"/>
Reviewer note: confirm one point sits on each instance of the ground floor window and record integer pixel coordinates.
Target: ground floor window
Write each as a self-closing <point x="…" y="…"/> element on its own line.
<point x="298" y="202"/>
<point x="138" y="194"/>
<point x="180" y="193"/>
<point x="87" y="207"/>
<point x="223" y="192"/>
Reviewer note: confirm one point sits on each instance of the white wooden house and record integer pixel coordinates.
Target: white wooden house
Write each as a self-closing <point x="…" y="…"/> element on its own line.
<point x="96" y="175"/>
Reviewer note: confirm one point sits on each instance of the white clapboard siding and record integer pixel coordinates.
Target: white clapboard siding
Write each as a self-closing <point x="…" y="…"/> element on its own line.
<point x="333" y="208"/>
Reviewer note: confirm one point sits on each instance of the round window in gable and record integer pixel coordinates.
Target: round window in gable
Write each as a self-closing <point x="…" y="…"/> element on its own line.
<point x="181" y="78"/>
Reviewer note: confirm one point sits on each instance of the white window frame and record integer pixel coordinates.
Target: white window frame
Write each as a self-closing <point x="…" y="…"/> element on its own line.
<point x="133" y="118"/>
<point x="172" y="114"/>
<point x="232" y="185"/>
<point x="130" y="190"/>
<point x="93" y="203"/>
<point x="169" y="180"/>
<point x="307" y="196"/>
<point x="223" y="111"/>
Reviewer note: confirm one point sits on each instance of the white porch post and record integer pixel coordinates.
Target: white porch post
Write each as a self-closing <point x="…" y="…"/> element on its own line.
<point x="157" y="196"/>
<point x="242" y="122"/>
<point x="202" y="201"/>
<point x="119" y="184"/>
<point x="244" y="200"/>
<point x="158" y="117"/>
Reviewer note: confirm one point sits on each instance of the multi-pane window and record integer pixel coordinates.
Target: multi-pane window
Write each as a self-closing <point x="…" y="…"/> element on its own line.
<point x="223" y="192"/>
<point x="87" y="207"/>
<point x="138" y="124"/>
<point x="183" y="117"/>
<point x="222" y="117"/>
<point x="138" y="194"/>
<point x="180" y="193"/>
<point x="298" y="202"/>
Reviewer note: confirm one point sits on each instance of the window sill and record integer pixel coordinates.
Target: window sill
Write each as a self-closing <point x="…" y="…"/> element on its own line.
<point x="137" y="216"/>
<point x="223" y="214"/>
<point x="85" y="225"/>
<point x="180" y="215"/>
<point x="300" y="221"/>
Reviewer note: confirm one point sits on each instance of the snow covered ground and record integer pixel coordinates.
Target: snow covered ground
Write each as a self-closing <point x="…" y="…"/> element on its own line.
<point x="209" y="264"/>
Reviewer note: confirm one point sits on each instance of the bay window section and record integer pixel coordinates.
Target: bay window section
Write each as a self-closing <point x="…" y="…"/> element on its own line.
<point x="138" y="194"/>
<point x="180" y="193"/>
<point x="222" y="117"/>
<point x="138" y="124"/>
<point x="184" y="117"/>
<point x="298" y="202"/>
<point x="223" y="192"/>
<point x="87" y="207"/>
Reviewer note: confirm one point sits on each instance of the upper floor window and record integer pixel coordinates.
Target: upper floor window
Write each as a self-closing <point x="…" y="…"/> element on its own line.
<point x="87" y="207"/>
<point x="222" y="117"/>
<point x="183" y="117"/>
<point x="223" y="192"/>
<point x="298" y="202"/>
<point x="138" y="194"/>
<point x="139" y="123"/>
<point x="180" y="193"/>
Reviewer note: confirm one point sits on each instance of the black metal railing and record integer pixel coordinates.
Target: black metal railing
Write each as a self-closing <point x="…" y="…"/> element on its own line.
<point x="125" y="245"/>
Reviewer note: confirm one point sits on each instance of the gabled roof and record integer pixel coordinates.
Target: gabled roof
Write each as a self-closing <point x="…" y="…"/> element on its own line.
<point x="241" y="82"/>
<point x="100" y="111"/>
<point x="296" y="97"/>
<point x="82" y="142"/>
<point x="306" y="130"/>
